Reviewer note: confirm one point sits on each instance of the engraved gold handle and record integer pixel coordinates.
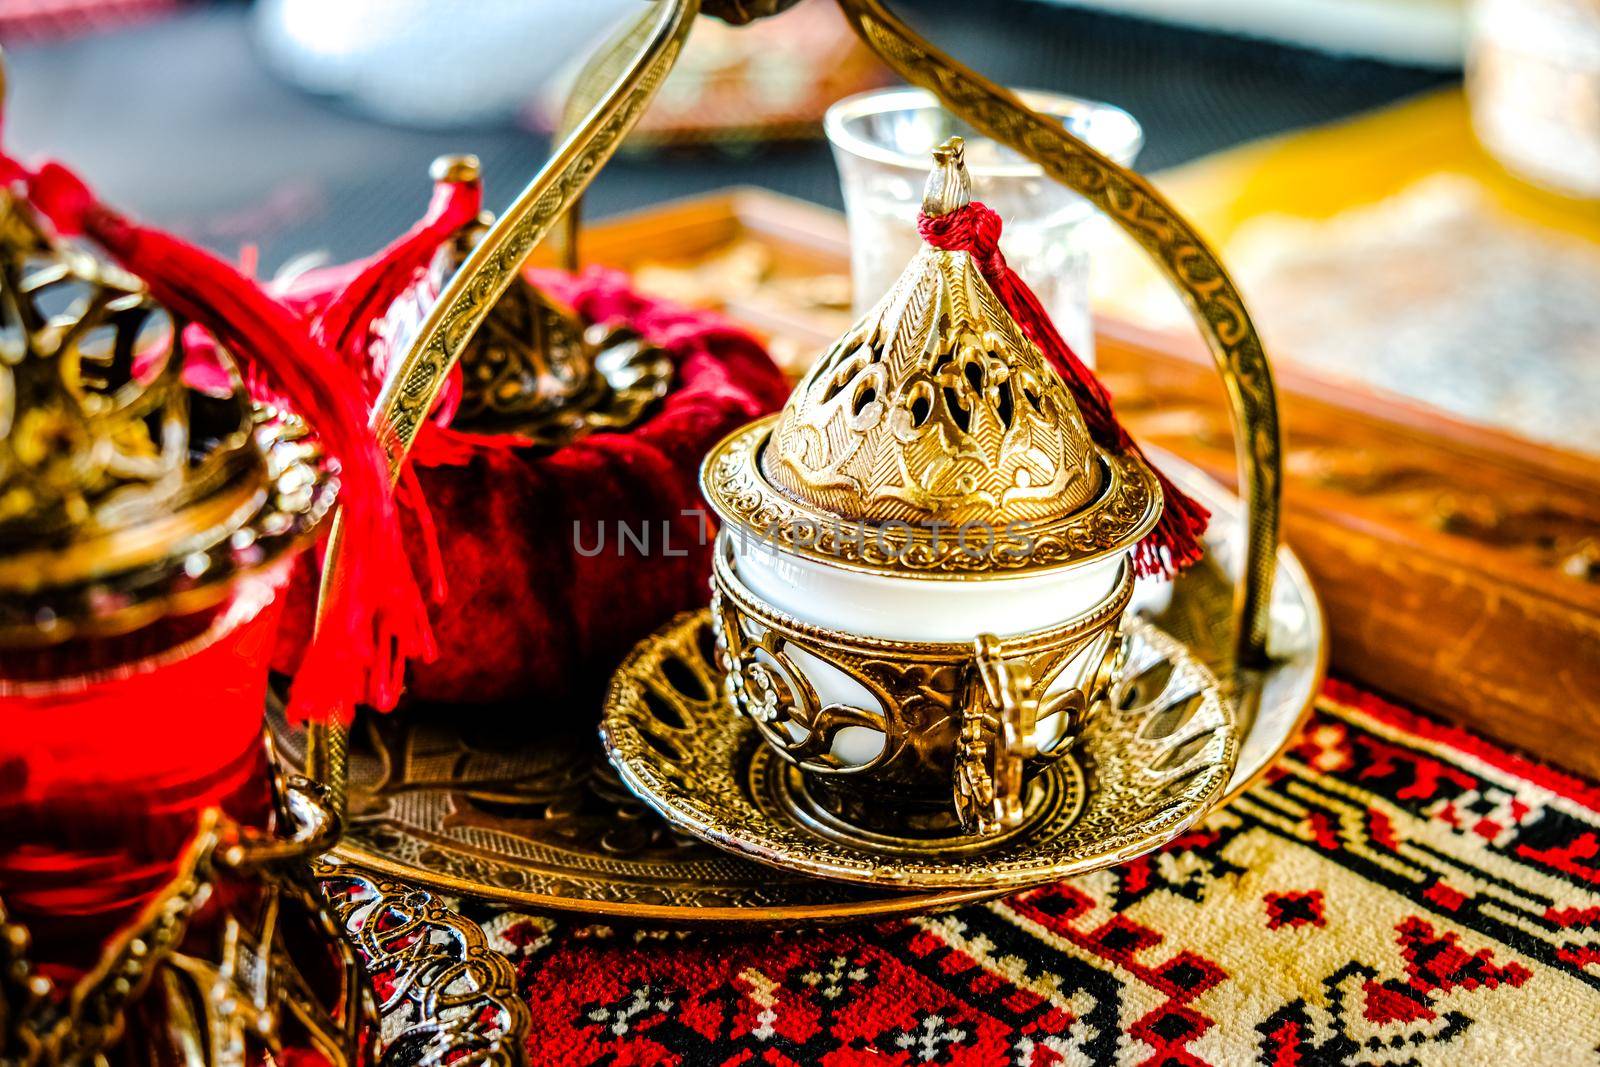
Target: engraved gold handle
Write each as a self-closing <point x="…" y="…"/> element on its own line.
<point x="996" y="740"/>
<point x="417" y="378"/>
<point x="594" y="84"/>
<point x="1145" y="215"/>
<point x="414" y="385"/>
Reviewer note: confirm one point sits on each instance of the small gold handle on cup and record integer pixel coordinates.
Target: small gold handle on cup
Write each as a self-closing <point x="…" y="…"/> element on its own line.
<point x="997" y="721"/>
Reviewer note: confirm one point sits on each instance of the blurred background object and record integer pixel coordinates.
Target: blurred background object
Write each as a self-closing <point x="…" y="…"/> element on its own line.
<point x="1327" y="145"/>
<point x="1391" y="251"/>
<point x="1423" y="32"/>
<point x="183" y="117"/>
<point x="460" y="64"/>
<point x="1534" y="80"/>
<point x="433" y="64"/>
<point x="732" y="88"/>
<point x="22" y="20"/>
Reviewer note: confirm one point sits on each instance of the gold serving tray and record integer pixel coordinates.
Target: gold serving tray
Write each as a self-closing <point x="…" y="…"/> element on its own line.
<point x="454" y="799"/>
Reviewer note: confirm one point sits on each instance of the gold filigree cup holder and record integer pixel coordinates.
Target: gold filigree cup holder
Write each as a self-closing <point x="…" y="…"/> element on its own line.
<point x="954" y="722"/>
<point x="1153" y="762"/>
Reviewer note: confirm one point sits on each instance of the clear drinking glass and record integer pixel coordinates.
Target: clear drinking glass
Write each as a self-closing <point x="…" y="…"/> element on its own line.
<point x="881" y="143"/>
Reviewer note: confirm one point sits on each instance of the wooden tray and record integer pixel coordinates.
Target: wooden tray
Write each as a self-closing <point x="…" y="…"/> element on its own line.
<point x="1460" y="567"/>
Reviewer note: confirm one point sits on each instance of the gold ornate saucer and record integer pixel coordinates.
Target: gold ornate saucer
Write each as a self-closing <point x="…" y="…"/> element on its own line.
<point x="476" y="805"/>
<point x="1146" y="768"/>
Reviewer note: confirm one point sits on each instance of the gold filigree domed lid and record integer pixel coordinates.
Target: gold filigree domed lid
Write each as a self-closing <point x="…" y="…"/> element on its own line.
<point x="935" y="406"/>
<point x="934" y="438"/>
<point x="125" y="493"/>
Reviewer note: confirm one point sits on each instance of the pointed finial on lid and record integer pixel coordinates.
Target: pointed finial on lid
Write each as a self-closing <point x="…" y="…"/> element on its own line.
<point x="935" y="406"/>
<point x="949" y="185"/>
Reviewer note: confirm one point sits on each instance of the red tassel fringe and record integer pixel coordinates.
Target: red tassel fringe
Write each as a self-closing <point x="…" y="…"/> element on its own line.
<point x="1175" y="542"/>
<point x="375" y="616"/>
<point x="345" y="325"/>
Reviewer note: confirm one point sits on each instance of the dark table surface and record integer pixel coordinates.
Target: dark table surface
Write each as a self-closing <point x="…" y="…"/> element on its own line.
<point x="178" y="120"/>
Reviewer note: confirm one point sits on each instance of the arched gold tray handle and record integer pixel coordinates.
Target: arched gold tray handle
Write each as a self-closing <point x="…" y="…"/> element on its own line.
<point x="418" y="377"/>
<point x="412" y="388"/>
<point x="597" y="81"/>
<point x="1181" y="253"/>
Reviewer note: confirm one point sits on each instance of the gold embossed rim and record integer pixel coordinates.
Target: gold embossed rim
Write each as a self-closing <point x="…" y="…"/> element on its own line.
<point x="891" y="904"/>
<point x="1154" y="773"/>
<point x="1128" y="507"/>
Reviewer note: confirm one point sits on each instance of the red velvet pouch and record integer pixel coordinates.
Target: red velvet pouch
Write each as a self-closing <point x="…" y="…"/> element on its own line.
<point x="556" y="563"/>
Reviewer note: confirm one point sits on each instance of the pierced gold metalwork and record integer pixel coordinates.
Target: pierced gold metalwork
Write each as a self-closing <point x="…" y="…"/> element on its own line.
<point x="1157" y="758"/>
<point x="151" y="983"/>
<point x="1171" y="241"/>
<point x="933" y="423"/>
<point x="956" y="721"/>
<point x="935" y="413"/>
<point x="935" y="406"/>
<point x="450" y="998"/>
<point x="536" y="369"/>
<point x="124" y="494"/>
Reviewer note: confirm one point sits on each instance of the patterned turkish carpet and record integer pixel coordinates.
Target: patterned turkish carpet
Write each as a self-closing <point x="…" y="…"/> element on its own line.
<point x="1395" y="891"/>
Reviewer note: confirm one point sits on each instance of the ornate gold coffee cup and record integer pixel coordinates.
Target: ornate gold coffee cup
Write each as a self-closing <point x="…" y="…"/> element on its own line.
<point x="945" y="728"/>
<point x="924" y="560"/>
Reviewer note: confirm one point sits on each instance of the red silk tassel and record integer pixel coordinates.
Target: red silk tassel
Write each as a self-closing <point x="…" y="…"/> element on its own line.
<point x="1175" y="542"/>
<point x="345" y="324"/>
<point x="375" y="617"/>
<point x="341" y="306"/>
